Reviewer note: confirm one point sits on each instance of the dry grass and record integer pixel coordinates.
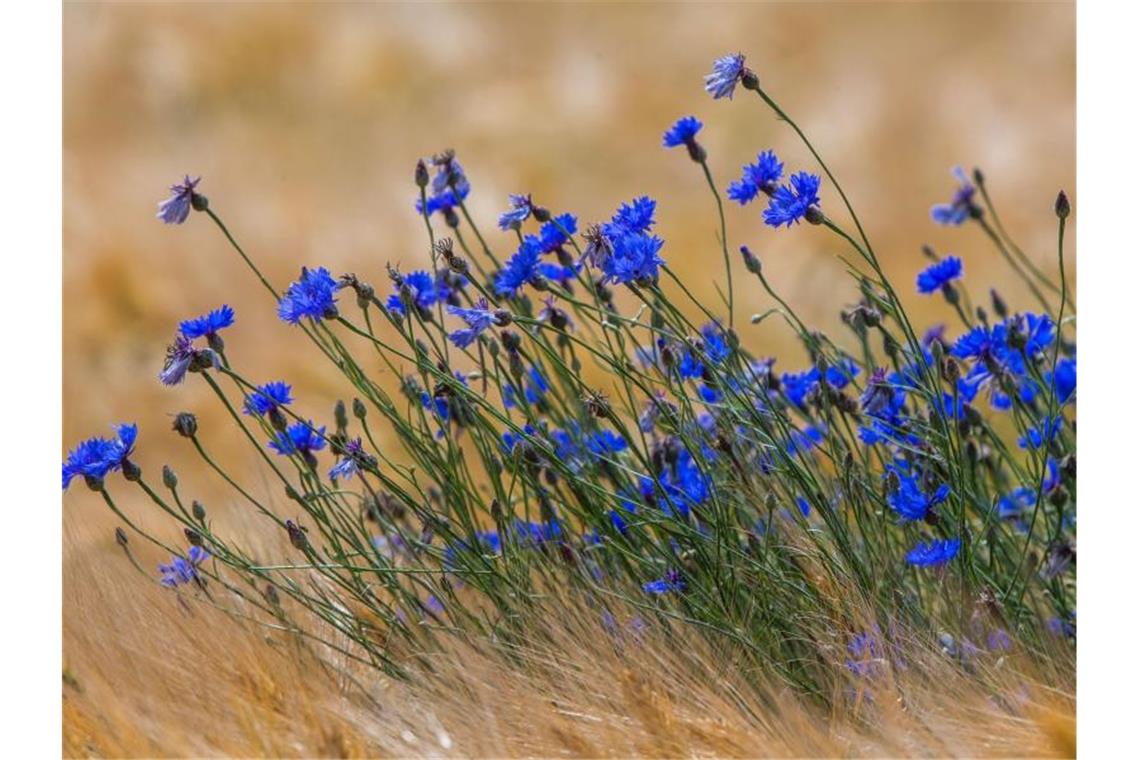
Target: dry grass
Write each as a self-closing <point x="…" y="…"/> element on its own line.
<point x="149" y="674"/>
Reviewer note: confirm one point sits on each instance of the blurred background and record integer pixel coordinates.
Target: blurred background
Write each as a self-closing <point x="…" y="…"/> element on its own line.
<point x="305" y="122"/>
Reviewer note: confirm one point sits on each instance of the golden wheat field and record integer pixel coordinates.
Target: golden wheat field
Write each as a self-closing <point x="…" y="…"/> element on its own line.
<point x="306" y="121"/>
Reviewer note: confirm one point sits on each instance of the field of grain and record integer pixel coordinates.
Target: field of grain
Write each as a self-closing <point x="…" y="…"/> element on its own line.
<point x="305" y="122"/>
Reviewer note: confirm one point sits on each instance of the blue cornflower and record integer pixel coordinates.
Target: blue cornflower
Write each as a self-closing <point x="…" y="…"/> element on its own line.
<point x="554" y="233"/>
<point x="312" y="296"/>
<point x="937" y="552"/>
<point x="449" y="187"/>
<point x="1064" y="379"/>
<point x="207" y="324"/>
<point x="606" y="442"/>
<point x="176" y="208"/>
<point x="910" y="501"/>
<point x="1016" y="503"/>
<point x="761" y="176"/>
<point x="684" y="132"/>
<point x="267" y="398"/>
<point x="1038" y="436"/>
<point x="520" y="268"/>
<point x="96" y="457"/>
<point x="996" y="355"/>
<point x="425" y="291"/>
<point x="726" y="72"/>
<point x="519" y="212"/>
<point x="632" y="218"/>
<point x="938" y="275"/>
<point x="182" y="571"/>
<point x="443" y="202"/>
<point x="537" y="534"/>
<point x="961" y="206"/>
<point x="478" y="319"/>
<point x="670" y="583"/>
<point x="866" y="658"/>
<point x="300" y="437"/>
<point x="636" y="258"/>
<point x="535" y="387"/>
<point x="789" y="204"/>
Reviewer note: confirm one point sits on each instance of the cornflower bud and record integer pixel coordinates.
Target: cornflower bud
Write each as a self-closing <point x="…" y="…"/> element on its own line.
<point x="359" y="410"/>
<point x="193" y="536"/>
<point x="198" y="510"/>
<point x="751" y="262"/>
<point x="422" y="177"/>
<point x="186" y="424"/>
<point x="131" y="471"/>
<point x="169" y="478"/>
<point x="297" y="535"/>
<point x="340" y="414"/>
<point x="998" y="304"/>
<point x="1062" y="207"/>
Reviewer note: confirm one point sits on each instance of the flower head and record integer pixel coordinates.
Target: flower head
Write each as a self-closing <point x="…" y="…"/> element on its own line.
<point x="449" y="187"/>
<point x="424" y="288"/>
<point x="670" y="583"/>
<point x="181" y="357"/>
<point x="268" y="398"/>
<point x="353" y="456"/>
<point x="95" y="458"/>
<point x="960" y="207"/>
<point x="910" y="501"/>
<point x="938" y="275"/>
<point x="299" y="438"/>
<point x="684" y="132"/>
<point x="726" y="72"/>
<point x="520" y="268"/>
<point x="312" y="296"/>
<point x="183" y="571"/>
<point x="761" y="176"/>
<point x="207" y="324"/>
<point x="789" y="204"/>
<point x="176" y="208"/>
<point x="520" y="210"/>
<point x="936" y="552"/>
<point x="478" y="319"/>
<point x="636" y="258"/>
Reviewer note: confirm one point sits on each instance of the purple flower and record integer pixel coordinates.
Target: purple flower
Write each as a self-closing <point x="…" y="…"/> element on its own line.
<point x="519" y="212"/>
<point x="761" y="176"/>
<point x="183" y="571"/>
<point x="726" y="72"/>
<point x="960" y="207"/>
<point x="939" y="275"/>
<point x="670" y="583"/>
<point x="181" y="357"/>
<point x="208" y="324"/>
<point x="350" y="463"/>
<point x="176" y="208"/>
<point x="789" y="204"/>
<point x="478" y="319"/>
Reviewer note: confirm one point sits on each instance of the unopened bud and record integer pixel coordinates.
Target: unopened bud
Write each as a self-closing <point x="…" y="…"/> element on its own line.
<point x="193" y="536"/>
<point x="1062" y="207"/>
<point x="198" y="510"/>
<point x="359" y="410"/>
<point x="131" y="471"/>
<point x="998" y="304"/>
<point x="186" y="424"/>
<point x="169" y="478"/>
<point x="422" y="177"/>
<point x="340" y="414"/>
